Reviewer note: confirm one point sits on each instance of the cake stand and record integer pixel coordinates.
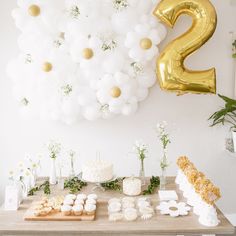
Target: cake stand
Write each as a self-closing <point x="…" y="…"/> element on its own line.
<point x="97" y="185"/>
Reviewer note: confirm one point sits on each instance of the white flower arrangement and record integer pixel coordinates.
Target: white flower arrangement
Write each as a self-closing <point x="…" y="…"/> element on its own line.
<point x="164" y="139"/>
<point x="54" y="149"/>
<point x="141" y="149"/>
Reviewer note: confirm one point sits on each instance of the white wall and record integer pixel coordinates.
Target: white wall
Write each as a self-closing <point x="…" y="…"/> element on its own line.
<point x="188" y="115"/>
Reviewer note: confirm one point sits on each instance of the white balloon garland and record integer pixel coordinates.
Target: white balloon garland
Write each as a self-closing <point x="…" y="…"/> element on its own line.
<point x="84" y="58"/>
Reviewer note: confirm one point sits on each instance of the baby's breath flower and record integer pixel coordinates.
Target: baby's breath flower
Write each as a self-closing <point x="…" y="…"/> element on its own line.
<point x="141" y="149"/>
<point x="54" y="149"/>
<point x="120" y="5"/>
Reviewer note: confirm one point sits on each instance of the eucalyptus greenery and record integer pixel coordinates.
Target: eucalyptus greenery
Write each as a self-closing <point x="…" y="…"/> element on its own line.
<point x="45" y="186"/>
<point x="154" y="184"/>
<point x="227" y="114"/>
<point x="234" y="49"/>
<point x="114" y="185"/>
<point x="74" y="185"/>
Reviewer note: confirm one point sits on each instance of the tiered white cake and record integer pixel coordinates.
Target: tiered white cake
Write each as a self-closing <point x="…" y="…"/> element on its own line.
<point x="97" y="171"/>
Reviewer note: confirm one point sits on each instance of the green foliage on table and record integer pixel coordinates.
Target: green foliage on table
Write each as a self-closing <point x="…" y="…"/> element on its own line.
<point x="154" y="184"/>
<point x="225" y="115"/>
<point x="45" y="186"/>
<point x="234" y="49"/>
<point x="74" y="184"/>
<point x="114" y="185"/>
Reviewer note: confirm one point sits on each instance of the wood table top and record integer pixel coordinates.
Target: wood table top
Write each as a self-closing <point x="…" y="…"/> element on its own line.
<point x="12" y="222"/>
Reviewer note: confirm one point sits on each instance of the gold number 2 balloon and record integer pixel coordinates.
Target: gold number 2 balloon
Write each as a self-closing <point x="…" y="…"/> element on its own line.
<point x="171" y="73"/>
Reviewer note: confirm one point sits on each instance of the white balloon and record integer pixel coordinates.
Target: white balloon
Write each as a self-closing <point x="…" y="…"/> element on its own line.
<point x="129" y="109"/>
<point x="92" y="112"/>
<point x="142" y="93"/>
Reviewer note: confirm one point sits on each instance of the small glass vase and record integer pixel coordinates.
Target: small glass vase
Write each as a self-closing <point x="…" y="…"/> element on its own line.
<point x="53" y="176"/>
<point x="163" y="179"/>
<point x="72" y="170"/>
<point x="142" y="173"/>
<point x="61" y="180"/>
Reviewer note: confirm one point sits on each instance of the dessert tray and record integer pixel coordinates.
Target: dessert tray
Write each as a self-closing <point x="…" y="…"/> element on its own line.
<point x="30" y="216"/>
<point x="60" y="209"/>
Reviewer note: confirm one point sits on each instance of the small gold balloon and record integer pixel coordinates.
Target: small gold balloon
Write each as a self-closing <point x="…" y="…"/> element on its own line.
<point x="47" y="67"/>
<point x="115" y="92"/>
<point x="87" y="53"/>
<point x="145" y="43"/>
<point x="34" y="10"/>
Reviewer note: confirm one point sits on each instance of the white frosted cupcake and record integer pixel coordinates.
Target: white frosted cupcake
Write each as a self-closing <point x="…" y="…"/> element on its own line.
<point x="146" y="210"/>
<point x="79" y="202"/>
<point x="91" y="201"/>
<point x="128" y="199"/>
<point x="114" y="200"/>
<point x="66" y="210"/>
<point x="130" y="214"/>
<point x="141" y="199"/>
<point x="81" y="196"/>
<point x="115" y="216"/>
<point x="77" y="210"/>
<point x="114" y="207"/>
<point x="90" y="209"/>
<point x="128" y="205"/>
<point x="70" y="196"/>
<point x="68" y="201"/>
<point x="142" y="204"/>
<point x="92" y="196"/>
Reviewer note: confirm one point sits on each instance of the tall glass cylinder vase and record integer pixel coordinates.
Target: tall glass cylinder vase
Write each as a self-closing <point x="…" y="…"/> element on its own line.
<point x="72" y="170"/>
<point x="53" y="176"/>
<point x="163" y="179"/>
<point x="142" y="173"/>
<point x="163" y="165"/>
<point x="60" y="179"/>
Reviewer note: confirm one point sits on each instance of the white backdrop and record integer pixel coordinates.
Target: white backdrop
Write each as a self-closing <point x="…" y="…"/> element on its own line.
<point x="187" y="115"/>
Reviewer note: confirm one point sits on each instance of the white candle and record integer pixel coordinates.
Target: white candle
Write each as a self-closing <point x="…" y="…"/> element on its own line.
<point x="132" y="186"/>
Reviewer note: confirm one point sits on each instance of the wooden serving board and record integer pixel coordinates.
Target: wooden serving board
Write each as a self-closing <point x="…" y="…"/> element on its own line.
<point x="29" y="216"/>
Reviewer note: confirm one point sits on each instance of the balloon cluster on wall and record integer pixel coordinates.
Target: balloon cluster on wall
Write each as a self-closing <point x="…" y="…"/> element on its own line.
<point x="84" y="58"/>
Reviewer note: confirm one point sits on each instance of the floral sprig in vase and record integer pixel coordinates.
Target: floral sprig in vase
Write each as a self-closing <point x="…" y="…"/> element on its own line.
<point x="54" y="149"/>
<point x="165" y="141"/>
<point x="141" y="150"/>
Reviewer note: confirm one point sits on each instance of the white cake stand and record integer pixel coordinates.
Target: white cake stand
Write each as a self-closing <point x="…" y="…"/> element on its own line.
<point x="97" y="185"/>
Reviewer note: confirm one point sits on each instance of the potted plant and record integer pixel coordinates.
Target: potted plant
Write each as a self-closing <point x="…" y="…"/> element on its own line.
<point x="226" y="115"/>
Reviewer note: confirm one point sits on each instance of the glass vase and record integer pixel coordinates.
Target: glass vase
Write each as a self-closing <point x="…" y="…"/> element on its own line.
<point x="72" y="170"/>
<point x="163" y="179"/>
<point x="53" y="176"/>
<point x="60" y="179"/>
<point x="142" y="173"/>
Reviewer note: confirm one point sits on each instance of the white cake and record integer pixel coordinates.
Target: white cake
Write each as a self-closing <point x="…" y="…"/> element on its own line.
<point x="97" y="171"/>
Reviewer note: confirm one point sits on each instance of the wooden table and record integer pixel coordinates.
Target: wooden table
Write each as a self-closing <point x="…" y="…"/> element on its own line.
<point x="12" y="223"/>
